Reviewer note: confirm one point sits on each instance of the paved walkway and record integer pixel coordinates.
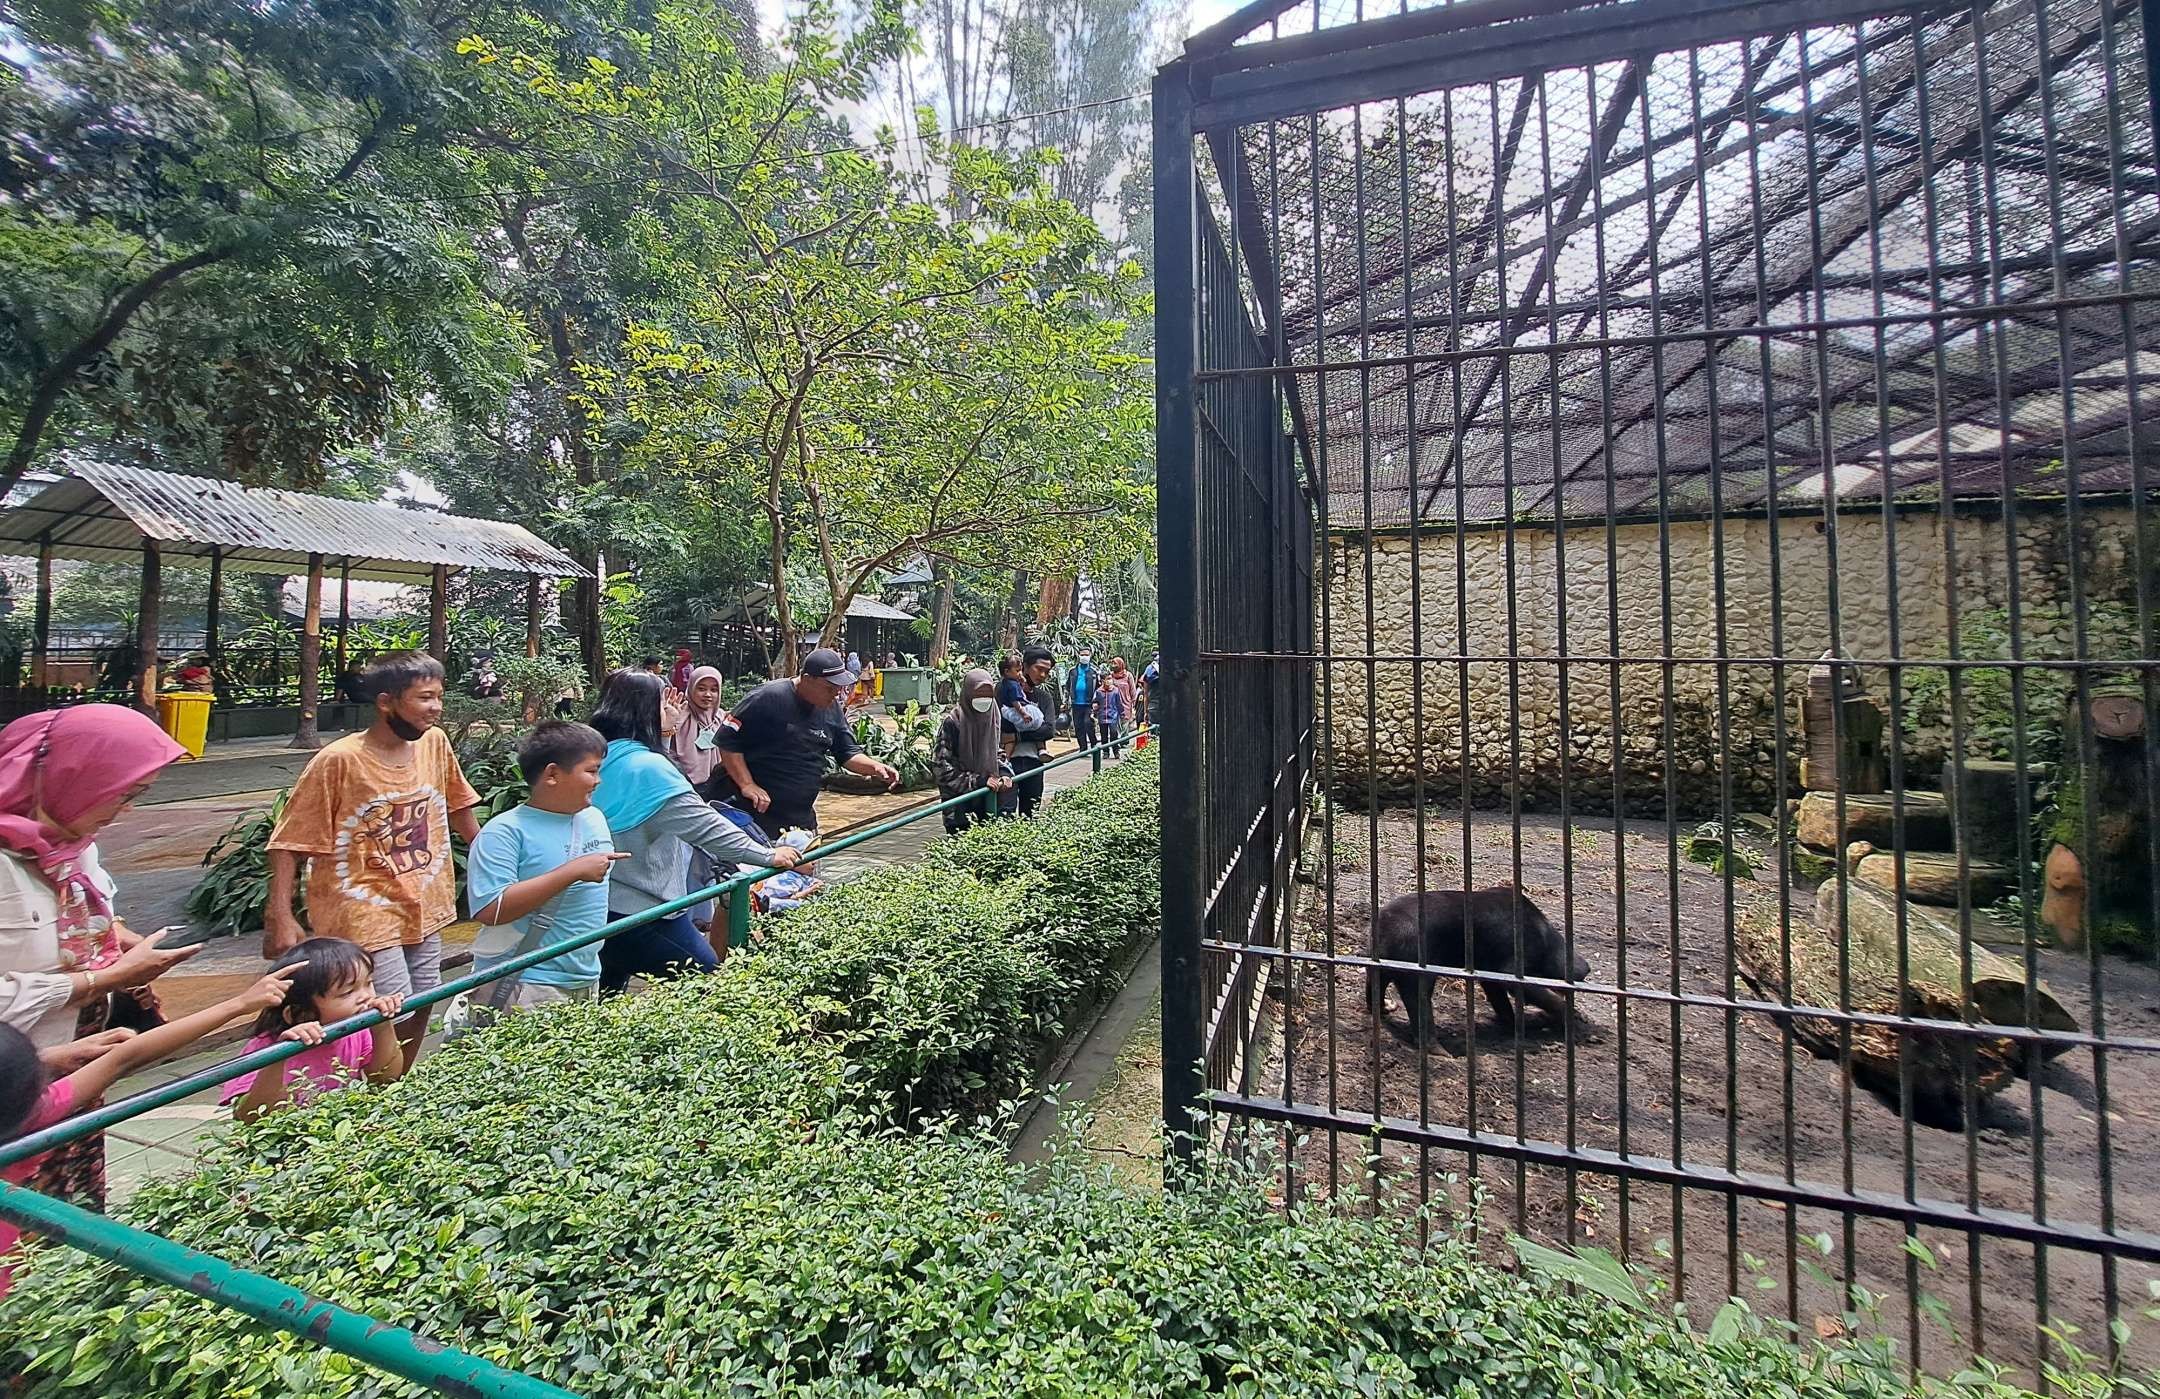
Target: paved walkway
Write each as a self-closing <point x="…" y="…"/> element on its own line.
<point x="155" y="853"/>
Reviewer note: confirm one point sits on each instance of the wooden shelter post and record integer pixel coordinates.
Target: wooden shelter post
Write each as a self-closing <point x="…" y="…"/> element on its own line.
<point x="311" y="657"/>
<point x="532" y="616"/>
<point x="344" y="611"/>
<point x="41" y="635"/>
<point x="146" y="629"/>
<point x="210" y="612"/>
<point x="438" y="625"/>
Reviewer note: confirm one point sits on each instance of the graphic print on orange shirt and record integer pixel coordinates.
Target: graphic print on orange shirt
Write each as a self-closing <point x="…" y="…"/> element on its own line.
<point x="397" y="825"/>
<point x="386" y="840"/>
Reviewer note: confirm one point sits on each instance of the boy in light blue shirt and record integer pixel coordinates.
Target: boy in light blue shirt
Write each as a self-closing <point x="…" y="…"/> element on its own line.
<point x="537" y="876"/>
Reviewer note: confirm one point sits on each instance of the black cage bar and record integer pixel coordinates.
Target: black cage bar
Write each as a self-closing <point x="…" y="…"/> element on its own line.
<point x="1685" y="461"/>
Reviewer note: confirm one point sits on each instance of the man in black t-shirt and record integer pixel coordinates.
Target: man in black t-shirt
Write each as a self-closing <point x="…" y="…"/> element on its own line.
<point x="774" y="743"/>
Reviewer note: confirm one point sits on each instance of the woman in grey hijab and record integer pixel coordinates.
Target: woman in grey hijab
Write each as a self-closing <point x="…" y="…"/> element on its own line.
<point x="966" y="758"/>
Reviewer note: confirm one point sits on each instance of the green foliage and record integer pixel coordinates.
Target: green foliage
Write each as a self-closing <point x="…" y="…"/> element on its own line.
<point x="2003" y="707"/>
<point x="220" y="239"/>
<point x="234" y="895"/>
<point x="532" y="684"/>
<point x="905" y="744"/>
<point x="622" y="604"/>
<point x="1718" y="850"/>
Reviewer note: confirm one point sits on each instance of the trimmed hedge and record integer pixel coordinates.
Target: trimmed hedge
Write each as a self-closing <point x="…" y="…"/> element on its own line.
<point x="710" y="1190"/>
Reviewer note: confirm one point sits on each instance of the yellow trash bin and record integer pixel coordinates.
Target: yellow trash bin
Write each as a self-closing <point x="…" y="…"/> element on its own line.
<point x="185" y="714"/>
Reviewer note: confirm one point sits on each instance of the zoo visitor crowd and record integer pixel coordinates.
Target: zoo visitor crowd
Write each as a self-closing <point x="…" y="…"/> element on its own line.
<point x="666" y="790"/>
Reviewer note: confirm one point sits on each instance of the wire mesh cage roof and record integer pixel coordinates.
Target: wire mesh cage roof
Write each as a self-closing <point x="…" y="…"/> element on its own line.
<point x="1902" y="254"/>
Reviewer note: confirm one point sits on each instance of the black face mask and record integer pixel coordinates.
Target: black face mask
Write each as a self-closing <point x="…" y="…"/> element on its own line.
<point x="410" y="732"/>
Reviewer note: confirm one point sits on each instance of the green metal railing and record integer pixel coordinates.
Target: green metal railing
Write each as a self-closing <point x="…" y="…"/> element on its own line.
<point x="395" y="1349"/>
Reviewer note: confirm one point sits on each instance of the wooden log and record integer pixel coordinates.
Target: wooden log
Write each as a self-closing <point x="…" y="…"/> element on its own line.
<point x="2105" y="806"/>
<point x="1982" y="795"/>
<point x="1935" y="1062"/>
<point x="1873" y="818"/>
<point x="1934" y="878"/>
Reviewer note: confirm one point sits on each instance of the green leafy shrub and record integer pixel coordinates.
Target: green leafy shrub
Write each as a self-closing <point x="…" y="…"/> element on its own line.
<point x="940" y="981"/>
<point x="235" y="894"/>
<point x="666" y="1196"/>
<point x="2007" y="711"/>
<point x="1719" y="850"/>
<point x="905" y="747"/>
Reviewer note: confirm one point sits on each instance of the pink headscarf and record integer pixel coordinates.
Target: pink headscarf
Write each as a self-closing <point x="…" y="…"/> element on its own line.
<point x="69" y="761"/>
<point x="682" y="745"/>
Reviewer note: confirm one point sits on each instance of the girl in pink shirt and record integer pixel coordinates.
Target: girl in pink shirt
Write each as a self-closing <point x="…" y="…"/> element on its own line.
<point x="332" y="980"/>
<point x="30" y="1099"/>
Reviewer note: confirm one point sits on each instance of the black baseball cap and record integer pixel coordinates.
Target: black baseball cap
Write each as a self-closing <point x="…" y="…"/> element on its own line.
<point x="824" y="664"/>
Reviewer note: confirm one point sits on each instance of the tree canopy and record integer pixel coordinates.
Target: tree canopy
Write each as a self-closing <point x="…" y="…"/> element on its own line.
<point x="620" y="271"/>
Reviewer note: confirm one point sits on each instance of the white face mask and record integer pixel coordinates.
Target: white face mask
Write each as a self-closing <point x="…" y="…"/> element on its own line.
<point x="982" y="704"/>
<point x="1085" y="658"/>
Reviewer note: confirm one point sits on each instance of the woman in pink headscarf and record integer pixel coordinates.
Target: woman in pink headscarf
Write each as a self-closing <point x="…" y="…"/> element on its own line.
<point x="64" y="958"/>
<point x="694" y="743"/>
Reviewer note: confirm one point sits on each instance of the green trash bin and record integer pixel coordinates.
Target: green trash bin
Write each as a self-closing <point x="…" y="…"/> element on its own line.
<point x="906" y="685"/>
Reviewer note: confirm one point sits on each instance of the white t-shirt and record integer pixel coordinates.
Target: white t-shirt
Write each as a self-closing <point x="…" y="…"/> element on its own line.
<point x="34" y="992"/>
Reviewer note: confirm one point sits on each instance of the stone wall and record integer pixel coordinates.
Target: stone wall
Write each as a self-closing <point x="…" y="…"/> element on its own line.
<point x="1517" y="726"/>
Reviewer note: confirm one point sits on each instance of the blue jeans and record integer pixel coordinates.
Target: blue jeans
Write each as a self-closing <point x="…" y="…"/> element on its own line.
<point x="661" y="950"/>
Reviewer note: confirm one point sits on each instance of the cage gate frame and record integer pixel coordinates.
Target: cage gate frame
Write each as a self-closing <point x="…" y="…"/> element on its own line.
<point x="1704" y="275"/>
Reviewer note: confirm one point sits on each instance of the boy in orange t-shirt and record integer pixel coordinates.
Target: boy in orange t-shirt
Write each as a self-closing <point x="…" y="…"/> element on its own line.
<point x="372" y="815"/>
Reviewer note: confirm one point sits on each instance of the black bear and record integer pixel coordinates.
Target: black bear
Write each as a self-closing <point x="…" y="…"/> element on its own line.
<point x="1448" y="928"/>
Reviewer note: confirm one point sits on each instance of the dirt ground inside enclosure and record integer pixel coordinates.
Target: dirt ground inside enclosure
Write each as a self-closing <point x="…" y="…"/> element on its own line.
<point x="1713" y="1086"/>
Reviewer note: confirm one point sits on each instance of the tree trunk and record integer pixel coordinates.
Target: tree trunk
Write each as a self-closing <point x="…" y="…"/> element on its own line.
<point x="941" y="629"/>
<point x="783" y="612"/>
<point x="1935" y="1064"/>
<point x="1057" y="596"/>
<point x="307" y="736"/>
<point x="1983" y="801"/>
<point x="2109" y="804"/>
<point x="146" y="631"/>
<point x="1015" y="609"/>
<point x="585" y="620"/>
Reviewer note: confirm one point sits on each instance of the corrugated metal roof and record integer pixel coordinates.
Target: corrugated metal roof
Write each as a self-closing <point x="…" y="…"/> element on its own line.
<point x="102" y="511"/>
<point x="874" y="610"/>
<point x="755" y="607"/>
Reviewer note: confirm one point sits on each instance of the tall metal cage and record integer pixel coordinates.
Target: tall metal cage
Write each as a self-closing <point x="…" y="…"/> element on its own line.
<point x="1683" y="462"/>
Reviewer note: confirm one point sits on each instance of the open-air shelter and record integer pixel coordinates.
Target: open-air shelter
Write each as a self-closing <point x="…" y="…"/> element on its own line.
<point x="110" y="513"/>
<point x="736" y="627"/>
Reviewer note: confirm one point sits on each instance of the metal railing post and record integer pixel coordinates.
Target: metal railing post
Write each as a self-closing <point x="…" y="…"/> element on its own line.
<point x="738" y="917"/>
